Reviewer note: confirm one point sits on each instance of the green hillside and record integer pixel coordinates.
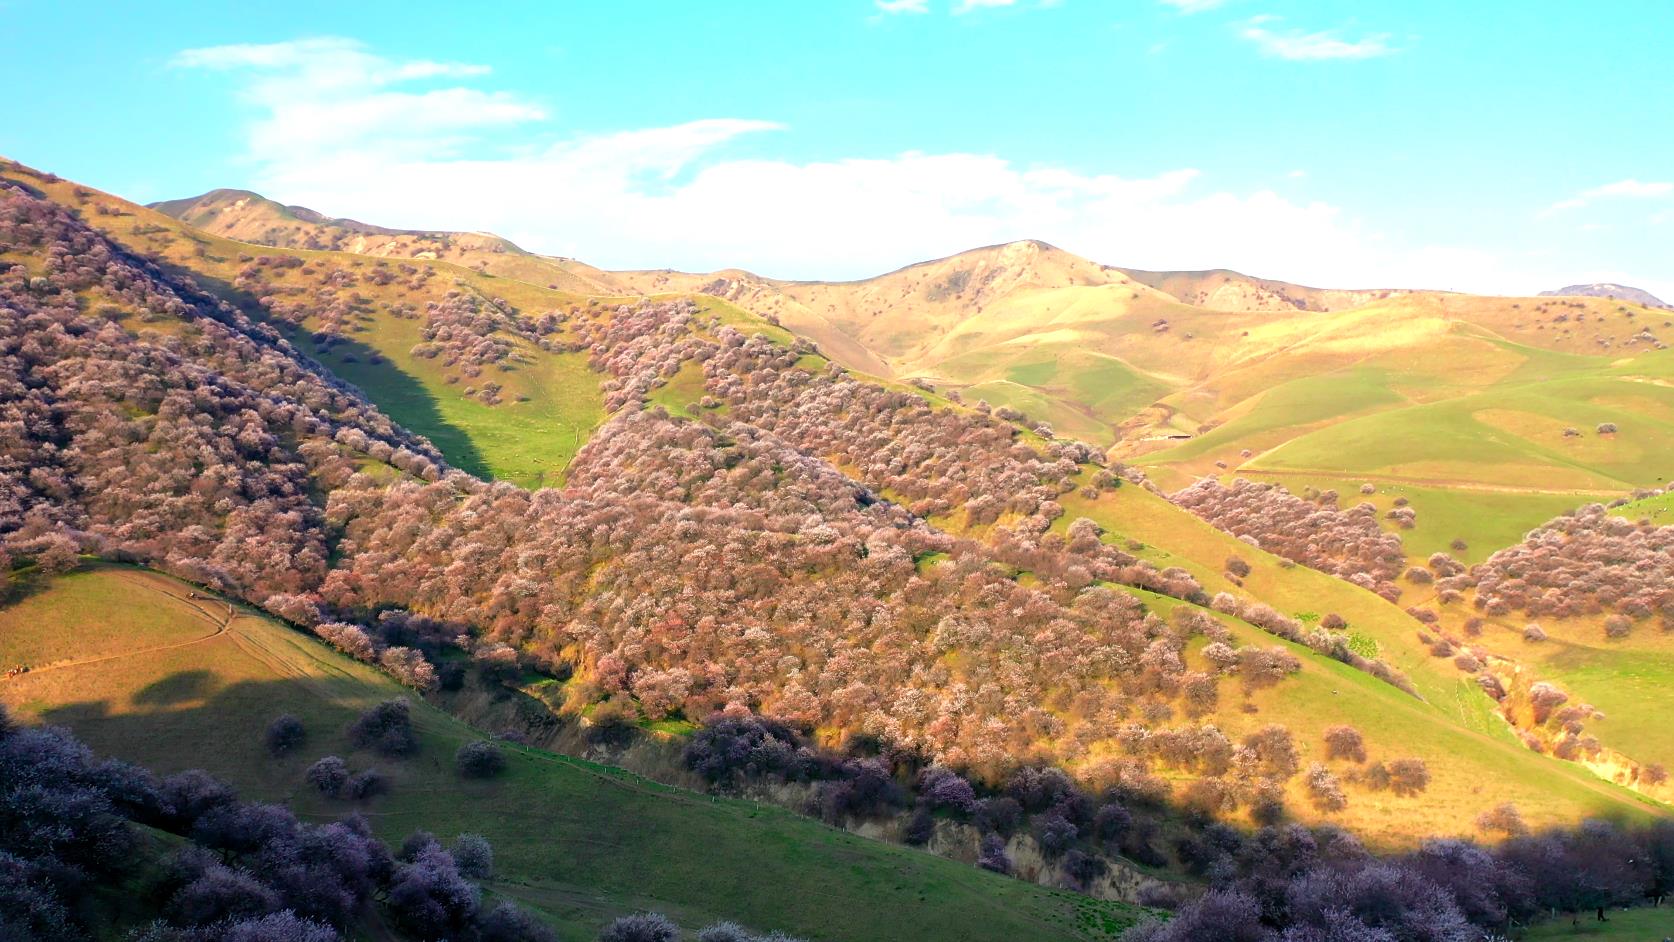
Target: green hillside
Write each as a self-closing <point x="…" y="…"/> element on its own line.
<point x="171" y="682"/>
<point x="550" y="401"/>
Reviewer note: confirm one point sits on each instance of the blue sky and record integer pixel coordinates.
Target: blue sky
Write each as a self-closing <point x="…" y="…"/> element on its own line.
<point x="1492" y="146"/>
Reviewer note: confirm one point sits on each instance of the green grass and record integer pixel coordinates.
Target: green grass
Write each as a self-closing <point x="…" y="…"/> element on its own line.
<point x="1082" y="394"/>
<point x="551" y="403"/>
<point x="683" y="390"/>
<point x="1659" y="509"/>
<point x="1474" y="760"/>
<point x="1644" y="924"/>
<point x="580" y="842"/>
<point x="1486" y="519"/>
<point x="1283" y="409"/>
<point x="1510" y="436"/>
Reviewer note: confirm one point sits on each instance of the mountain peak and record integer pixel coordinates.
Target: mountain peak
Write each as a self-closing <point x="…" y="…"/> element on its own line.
<point x="1611" y="290"/>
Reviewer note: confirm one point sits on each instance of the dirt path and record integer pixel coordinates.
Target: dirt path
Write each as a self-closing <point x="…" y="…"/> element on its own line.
<point x="220" y="621"/>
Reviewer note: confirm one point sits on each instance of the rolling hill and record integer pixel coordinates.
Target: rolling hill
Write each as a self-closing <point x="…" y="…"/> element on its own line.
<point x="148" y="669"/>
<point x="467" y="464"/>
<point x="1611" y="291"/>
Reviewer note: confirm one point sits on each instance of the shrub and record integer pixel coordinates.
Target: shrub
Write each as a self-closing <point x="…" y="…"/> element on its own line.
<point x="386" y="728"/>
<point x="1344" y="742"/>
<point x="329" y="774"/>
<point x="284" y="734"/>
<point x="480" y="759"/>
<point x="1408" y="776"/>
<point x="474" y="855"/>
<point x="641" y="927"/>
<point x="992" y="854"/>
<point x="365" y="784"/>
<point x="507" y="923"/>
<point x="1502" y="819"/>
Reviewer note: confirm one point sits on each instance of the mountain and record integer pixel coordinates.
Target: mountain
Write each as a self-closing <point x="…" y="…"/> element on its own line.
<point x="251" y="217"/>
<point x="1223" y="290"/>
<point x="791" y="540"/>
<point x="1611" y="291"/>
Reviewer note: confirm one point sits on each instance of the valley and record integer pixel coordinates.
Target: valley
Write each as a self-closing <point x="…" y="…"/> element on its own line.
<point x="979" y="520"/>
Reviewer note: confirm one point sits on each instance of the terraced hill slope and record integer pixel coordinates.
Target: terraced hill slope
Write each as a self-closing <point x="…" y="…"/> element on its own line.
<point x="157" y="672"/>
<point x="921" y="571"/>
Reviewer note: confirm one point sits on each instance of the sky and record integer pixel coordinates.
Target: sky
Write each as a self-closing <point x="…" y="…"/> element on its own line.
<point x="1502" y="147"/>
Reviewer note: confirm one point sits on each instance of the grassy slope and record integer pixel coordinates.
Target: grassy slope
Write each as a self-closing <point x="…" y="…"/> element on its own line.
<point x="1473" y="759"/>
<point x="581" y="842"/>
<point x="528" y="442"/>
<point x="1645" y="924"/>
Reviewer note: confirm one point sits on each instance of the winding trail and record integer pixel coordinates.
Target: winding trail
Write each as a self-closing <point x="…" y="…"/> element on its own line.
<point x="221" y="623"/>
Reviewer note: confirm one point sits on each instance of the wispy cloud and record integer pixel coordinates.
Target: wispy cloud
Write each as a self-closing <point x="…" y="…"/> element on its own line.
<point x="1301" y="46"/>
<point x="1192" y="6"/>
<point x="1621" y="189"/>
<point x="323" y="94"/>
<point x="679" y="195"/>
<point x="956" y="7"/>
<point x="902" y="6"/>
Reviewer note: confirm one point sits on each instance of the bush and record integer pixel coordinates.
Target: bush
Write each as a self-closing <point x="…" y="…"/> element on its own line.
<point x="1408" y="776"/>
<point x="480" y="759"/>
<point x="284" y="734"/>
<point x="507" y="923"/>
<point x="365" y="784"/>
<point x="387" y="729"/>
<point x="329" y="774"/>
<point x="992" y="854"/>
<point x="1344" y="742"/>
<point x="474" y="855"/>
<point x="641" y="927"/>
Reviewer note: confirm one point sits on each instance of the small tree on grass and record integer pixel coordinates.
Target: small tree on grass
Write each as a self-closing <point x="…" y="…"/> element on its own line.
<point x="474" y="855"/>
<point x="386" y="728"/>
<point x="641" y="927"/>
<point x="284" y="734"/>
<point x="329" y="775"/>
<point x="507" y="923"/>
<point x="993" y="854"/>
<point x="1344" y="742"/>
<point x="1408" y="776"/>
<point x="1502" y="819"/>
<point x="365" y="784"/>
<point x="480" y="759"/>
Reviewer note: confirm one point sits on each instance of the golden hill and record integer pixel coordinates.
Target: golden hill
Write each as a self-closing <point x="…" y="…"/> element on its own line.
<point x="250" y="217"/>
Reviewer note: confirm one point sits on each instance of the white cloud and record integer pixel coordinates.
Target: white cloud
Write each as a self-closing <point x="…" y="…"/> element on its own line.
<point x="1621" y="189"/>
<point x="966" y="6"/>
<point x="318" y="96"/>
<point x="903" y="6"/>
<point x="1192" y="6"/>
<point x="1299" y="46"/>
<point x="341" y="130"/>
<point x="1630" y="188"/>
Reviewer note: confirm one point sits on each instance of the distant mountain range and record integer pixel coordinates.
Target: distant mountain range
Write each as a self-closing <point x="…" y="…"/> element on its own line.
<point x="1610" y="290"/>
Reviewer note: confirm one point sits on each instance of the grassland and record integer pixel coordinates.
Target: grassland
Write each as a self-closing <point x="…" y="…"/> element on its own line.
<point x="1644" y="924"/>
<point x="552" y="405"/>
<point x="1474" y="759"/>
<point x="552" y="402"/>
<point x="579" y="842"/>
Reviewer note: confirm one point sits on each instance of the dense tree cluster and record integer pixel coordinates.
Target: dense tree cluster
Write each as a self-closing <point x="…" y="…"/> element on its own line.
<point x="1288" y="884"/>
<point x="196" y="450"/>
<point x="1584" y="563"/>
<point x="246" y="872"/>
<point x="1316" y="533"/>
<point x="691" y="565"/>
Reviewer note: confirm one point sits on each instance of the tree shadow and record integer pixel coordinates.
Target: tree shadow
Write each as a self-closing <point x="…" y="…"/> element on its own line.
<point x="352" y="363"/>
<point x="176" y="688"/>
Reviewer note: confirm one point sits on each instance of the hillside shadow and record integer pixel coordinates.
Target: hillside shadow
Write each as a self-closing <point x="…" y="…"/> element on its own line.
<point x="398" y="394"/>
<point x="185" y="722"/>
<point x="393" y="390"/>
<point x="176" y="688"/>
